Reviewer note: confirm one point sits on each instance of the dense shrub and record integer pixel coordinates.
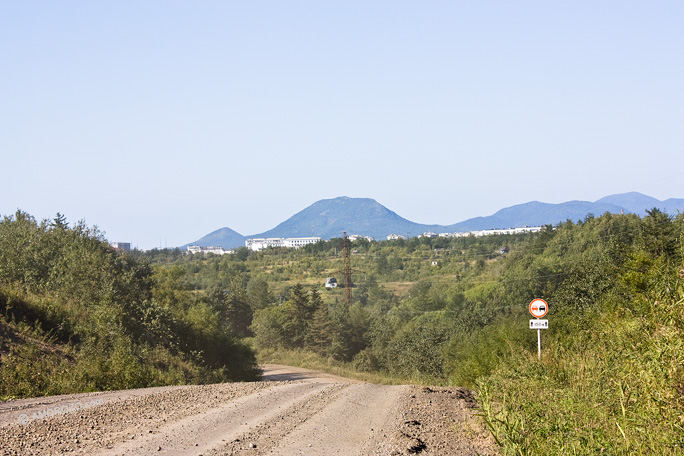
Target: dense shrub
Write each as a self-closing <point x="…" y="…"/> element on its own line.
<point x="122" y="324"/>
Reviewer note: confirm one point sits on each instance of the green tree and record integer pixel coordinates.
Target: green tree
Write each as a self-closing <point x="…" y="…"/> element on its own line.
<point x="238" y="311"/>
<point x="321" y="325"/>
<point x="241" y="253"/>
<point x="258" y="294"/>
<point x="659" y="233"/>
<point x="301" y="311"/>
<point x="271" y="327"/>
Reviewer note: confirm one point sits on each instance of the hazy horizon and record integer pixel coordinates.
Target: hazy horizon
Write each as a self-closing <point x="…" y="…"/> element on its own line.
<point x="160" y="122"/>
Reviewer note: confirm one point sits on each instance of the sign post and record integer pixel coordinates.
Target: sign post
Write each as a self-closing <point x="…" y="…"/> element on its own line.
<point x="538" y="308"/>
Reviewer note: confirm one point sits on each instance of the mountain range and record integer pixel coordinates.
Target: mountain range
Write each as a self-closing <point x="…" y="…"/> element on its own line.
<point x="329" y="218"/>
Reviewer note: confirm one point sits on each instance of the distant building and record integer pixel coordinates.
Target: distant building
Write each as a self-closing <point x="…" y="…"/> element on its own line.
<point x="428" y="235"/>
<point x="123" y="246"/>
<point x="206" y="250"/>
<point x="524" y="229"/>
<point x="263" y="243"/>
<point x="299" y="242"/>
<point x="356" y="237"/>
<point x="257" y="244"/>
<point x="394" y="237"/>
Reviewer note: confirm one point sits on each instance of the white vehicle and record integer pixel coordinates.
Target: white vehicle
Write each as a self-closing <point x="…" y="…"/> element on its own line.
<point x="331" y="282"/>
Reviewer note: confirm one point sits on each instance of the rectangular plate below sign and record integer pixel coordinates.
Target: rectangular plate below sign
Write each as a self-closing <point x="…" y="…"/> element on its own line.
<point x="539" y="324"/>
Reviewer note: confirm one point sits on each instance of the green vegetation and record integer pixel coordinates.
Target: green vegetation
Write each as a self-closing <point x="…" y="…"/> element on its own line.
<point x="431" y="311"/>
<point x="611" y="379"/>
<point x="77" y="316"/>
<point x="454" y="312"/>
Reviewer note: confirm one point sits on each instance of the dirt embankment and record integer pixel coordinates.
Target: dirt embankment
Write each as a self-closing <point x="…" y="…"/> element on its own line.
<point x="293" y="412"/>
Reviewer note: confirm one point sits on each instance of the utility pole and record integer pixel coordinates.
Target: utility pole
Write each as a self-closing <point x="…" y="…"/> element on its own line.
<point x="347" y="268"/>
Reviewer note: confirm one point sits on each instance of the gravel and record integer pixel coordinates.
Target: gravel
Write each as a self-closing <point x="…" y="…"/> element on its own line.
<point x="298" y="412"/>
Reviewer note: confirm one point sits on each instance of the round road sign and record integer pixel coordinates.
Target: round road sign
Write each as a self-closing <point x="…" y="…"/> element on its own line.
<point x="538" y="308"/>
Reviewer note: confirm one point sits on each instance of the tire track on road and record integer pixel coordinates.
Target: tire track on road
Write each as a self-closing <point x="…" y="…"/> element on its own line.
<point x="200" y="433"/>
<point x="351" y="424"/>
<point x="318" y="414"/>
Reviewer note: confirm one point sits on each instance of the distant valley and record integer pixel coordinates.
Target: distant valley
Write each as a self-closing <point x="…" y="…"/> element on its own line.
<point x="329" y="218"/>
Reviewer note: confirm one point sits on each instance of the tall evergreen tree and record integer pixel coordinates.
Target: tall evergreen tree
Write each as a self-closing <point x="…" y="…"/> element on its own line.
<point x="321" y="325"/>
<point x="301" y="313"/>
<point x="258" y="294"/>
<point x="238" y="311"/>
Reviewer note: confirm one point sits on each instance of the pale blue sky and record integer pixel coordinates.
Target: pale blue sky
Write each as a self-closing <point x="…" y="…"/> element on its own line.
<point x="160" y="121"/>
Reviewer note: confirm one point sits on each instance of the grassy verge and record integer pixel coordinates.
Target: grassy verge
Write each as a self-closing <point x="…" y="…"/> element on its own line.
<point x="619" y="394"/>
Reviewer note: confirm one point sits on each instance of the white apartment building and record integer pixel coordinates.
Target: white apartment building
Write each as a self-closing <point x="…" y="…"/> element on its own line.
<point x="257" y="244"/>
<point x="299" y="242"/>
<point x="524" y="229"/>
<point x="263" y="243"/>
<point x="205" y="250"/>
<point x="356" y="237"/>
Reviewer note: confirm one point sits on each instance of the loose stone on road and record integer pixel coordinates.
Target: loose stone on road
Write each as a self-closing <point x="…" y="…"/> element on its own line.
<point x="293" y="411"/>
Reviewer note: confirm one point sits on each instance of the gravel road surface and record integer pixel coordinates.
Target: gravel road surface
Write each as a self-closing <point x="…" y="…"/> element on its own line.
<point x="291" y="412"/>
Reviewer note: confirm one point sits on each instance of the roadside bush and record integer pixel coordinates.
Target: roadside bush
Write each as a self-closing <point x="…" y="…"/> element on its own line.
<point x="123" y="324"/>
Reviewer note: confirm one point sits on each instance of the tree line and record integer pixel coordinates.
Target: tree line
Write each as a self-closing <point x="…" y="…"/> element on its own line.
<point x="76" y="315"/>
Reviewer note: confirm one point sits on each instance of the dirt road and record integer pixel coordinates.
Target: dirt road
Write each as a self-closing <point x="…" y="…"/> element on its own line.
<point x="292" y="412"/>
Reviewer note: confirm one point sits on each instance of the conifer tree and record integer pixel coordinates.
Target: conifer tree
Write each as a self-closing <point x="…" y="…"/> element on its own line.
<point x="300" y="313"/>
<point x="321" y="325"/>
<point x="238" y="311"/>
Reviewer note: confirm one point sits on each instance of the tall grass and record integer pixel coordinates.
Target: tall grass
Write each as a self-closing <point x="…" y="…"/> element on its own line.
<point x="618" y="391"/>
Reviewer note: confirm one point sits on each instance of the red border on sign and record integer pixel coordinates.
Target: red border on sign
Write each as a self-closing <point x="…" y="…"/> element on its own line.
<point x="545" y="305"/>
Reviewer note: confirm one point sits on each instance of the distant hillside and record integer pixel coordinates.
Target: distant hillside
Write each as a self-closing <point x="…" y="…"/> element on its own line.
<point x="329" y="218"/>
<point x="536" y="214"/>
<point x="223" y="237"/>
<point x="638" y="203"/>
<point x="673" y="206"/>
